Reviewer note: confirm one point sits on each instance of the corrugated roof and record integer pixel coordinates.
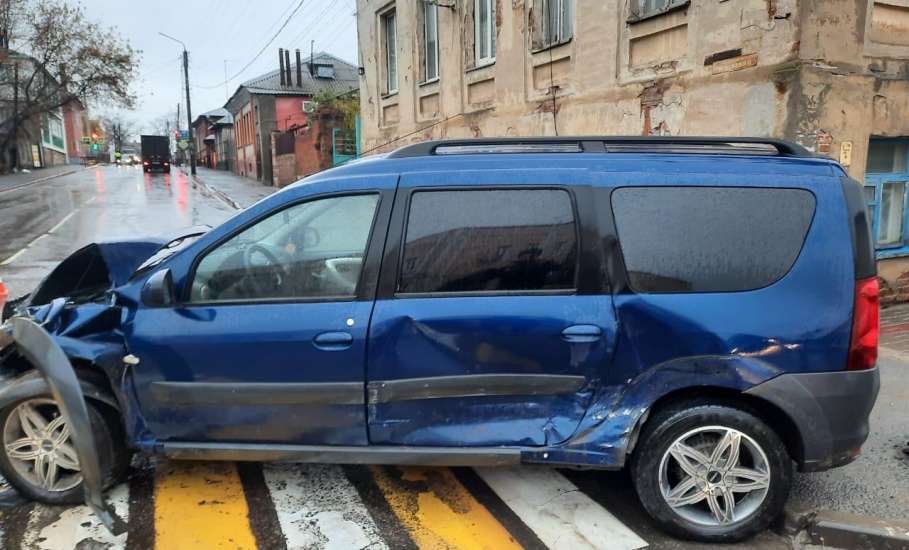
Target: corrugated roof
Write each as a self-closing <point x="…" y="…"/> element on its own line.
<point x="346" y="79"/>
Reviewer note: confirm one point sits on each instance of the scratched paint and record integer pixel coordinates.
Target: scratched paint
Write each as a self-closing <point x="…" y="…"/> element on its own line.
<point x="438" y="511"/>
<point x="201" y="505"/>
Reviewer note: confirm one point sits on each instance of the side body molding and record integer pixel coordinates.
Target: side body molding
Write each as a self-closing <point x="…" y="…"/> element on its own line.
<point x="41" y="351"/>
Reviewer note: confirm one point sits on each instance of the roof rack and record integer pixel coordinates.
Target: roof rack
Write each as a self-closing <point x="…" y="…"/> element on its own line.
<point x="607" y="144"/>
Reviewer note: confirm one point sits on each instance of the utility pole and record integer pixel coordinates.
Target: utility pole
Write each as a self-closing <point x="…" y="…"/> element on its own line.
<point x="189" y="111"/>
<point x="189" y="115"/>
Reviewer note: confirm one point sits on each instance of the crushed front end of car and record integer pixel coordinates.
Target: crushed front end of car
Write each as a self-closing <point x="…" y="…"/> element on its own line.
<point x="65" y="340"/>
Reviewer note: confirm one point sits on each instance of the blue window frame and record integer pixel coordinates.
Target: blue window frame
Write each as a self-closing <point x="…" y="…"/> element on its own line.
<point x="886" y="185"/>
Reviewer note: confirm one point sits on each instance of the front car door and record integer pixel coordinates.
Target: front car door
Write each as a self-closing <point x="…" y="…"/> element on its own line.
<point x="489" y="328"/>
<point x="269" y="342"/>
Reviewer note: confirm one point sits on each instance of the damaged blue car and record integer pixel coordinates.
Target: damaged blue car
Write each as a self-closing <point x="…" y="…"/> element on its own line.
<point x="702" y="311"/>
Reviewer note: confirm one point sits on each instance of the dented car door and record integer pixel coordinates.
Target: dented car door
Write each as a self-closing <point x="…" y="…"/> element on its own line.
<point x="489" y="329"/>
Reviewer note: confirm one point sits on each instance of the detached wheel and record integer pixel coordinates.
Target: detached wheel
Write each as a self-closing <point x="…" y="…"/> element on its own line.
<point x="711" y="473"/>
<point x="39" y="459"/>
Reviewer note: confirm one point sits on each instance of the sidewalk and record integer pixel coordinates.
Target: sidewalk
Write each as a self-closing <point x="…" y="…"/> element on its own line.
<point x="9" y="182"/>
<point x="235" y="190"/>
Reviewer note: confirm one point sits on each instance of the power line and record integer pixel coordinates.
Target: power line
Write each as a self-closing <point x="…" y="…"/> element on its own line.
<point x="265" y="47"/>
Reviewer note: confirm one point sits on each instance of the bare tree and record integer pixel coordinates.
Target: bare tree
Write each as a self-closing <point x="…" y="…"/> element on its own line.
<point x="119" y="130"/>
<point x="162" y="125"/>
<point x="60" y="56"/>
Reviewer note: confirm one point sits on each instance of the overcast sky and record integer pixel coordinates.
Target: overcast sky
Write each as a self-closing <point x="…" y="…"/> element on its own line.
<point x="215" y="31"/>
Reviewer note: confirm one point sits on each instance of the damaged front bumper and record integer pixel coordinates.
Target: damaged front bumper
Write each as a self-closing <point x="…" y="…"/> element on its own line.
<point x="59" y="379"/>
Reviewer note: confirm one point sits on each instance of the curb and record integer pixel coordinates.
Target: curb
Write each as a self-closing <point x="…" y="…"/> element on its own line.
<point x="848" y="531"/>
<point x="40" y="180"/>
<point x="220" y="195"/>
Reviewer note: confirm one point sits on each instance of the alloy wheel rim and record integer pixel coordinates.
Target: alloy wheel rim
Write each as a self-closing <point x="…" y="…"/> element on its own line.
<point x="37" y="442"/>
<point x="714" y="476"/>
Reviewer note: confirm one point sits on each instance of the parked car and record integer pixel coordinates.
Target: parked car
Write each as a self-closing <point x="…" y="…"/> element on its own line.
<point x="702" y="311"/>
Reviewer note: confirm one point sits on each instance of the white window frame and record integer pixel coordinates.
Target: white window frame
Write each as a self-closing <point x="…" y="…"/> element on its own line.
<point x="390" y="48"/>
<point x="485" y="58"/>
<point x="430" y="11"/>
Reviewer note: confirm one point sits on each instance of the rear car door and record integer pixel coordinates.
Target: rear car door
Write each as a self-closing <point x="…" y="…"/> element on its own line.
<point x="269" y="343"/>
<point x="493" y="324"/>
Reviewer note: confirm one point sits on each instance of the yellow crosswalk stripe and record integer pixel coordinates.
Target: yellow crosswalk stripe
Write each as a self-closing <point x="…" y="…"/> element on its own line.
<point x="201" y="505"/>
<point x="438" y="511"/>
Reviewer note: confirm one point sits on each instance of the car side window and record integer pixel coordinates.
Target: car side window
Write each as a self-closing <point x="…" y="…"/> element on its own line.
<point x="710" y="239"/>
<point x="489" y="240"/>
<point x="308" y="251"/>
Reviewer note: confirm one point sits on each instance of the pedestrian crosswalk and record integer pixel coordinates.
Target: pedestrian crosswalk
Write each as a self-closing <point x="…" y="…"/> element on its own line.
<point x="178" y="505"/>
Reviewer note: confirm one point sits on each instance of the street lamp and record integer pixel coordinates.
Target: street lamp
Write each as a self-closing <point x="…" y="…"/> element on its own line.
<point x="189" y="111"/>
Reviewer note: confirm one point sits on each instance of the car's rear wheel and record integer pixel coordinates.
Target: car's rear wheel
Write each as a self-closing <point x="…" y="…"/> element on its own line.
<point x="711" y="472"/>
<point x="38" y="457"/>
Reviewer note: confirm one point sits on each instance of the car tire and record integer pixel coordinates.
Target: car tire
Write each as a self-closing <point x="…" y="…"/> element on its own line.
<point x="113" y="455"/>
<point x="698" y="509"/>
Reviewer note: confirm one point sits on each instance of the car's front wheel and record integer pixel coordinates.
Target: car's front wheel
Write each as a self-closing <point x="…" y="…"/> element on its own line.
<point x="711" y="472"/>
<point x="38" y="456"/>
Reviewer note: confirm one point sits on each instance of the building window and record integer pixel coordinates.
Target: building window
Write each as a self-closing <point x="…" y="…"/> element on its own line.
<point x="642" y="9"/>
<point x="390" y="40"/>
<point x="430" y="41"/>
<point x="886" y="184"/>
<point x="485" y="35"/>
<point x="553" y="22"/>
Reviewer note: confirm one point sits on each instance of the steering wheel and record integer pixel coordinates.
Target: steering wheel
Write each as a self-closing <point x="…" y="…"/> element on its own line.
<point x="265" y="278"/>
<point x="344" y="272"/>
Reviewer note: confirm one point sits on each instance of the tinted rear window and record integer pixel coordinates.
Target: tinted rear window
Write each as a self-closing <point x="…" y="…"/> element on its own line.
<point x="489" y="241"/>
<point x="710" y="239"/>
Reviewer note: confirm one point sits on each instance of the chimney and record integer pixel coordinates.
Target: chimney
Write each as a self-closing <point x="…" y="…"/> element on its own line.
<point x="299" y="70"/>
<point x="290" y="78"/>
<point x="281" y="64"/>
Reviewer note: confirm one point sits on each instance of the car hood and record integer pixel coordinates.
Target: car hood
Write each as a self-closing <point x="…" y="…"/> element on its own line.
<point x="98" y="267"/>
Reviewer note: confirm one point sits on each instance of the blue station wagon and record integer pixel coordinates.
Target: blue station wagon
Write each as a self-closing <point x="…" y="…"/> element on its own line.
<point x="702" y="311"/>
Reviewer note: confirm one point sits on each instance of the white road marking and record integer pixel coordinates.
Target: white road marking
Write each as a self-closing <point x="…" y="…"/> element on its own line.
<point x="12" y="258"/>
<point x="557" y="511"/>
<point x="61" y="222"/>
<point x="76" y="526"/>
<point x="317" y="507"/>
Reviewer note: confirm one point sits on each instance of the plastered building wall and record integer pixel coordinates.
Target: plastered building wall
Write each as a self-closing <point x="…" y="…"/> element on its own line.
<point x="828" y="74"/>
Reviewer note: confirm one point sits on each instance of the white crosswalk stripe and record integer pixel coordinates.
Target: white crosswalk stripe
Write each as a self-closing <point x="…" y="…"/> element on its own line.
<point x="318" y="508"/>
<point x="75" y="525"/>
<point x="557" y="511"/>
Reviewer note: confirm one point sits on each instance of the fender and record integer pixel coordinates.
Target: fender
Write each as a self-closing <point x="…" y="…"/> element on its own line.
<point x="37" y="346"/>
<point x="607" y="431"/>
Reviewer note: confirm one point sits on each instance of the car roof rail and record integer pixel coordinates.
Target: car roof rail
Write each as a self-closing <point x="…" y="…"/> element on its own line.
<point x="607" y="144"/>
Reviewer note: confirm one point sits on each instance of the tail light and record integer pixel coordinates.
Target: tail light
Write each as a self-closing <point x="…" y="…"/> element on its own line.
<point x="865" y="325"/>
<point x="145" y="163"/>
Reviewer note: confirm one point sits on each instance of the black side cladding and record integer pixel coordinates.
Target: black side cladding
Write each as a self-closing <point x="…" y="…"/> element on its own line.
<point x="859" y="225"/>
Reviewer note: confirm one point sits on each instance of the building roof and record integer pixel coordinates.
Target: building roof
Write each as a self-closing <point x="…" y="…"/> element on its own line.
<point x="346" y="78"/>
<point x="219" y="116"/>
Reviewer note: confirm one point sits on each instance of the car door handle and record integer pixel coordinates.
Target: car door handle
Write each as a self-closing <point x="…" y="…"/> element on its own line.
<point x="333" y="341"/>
<point x="580" y="334"/>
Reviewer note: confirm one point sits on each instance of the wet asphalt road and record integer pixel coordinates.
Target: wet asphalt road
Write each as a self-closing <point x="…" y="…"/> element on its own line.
<point x="43" y="223"/>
